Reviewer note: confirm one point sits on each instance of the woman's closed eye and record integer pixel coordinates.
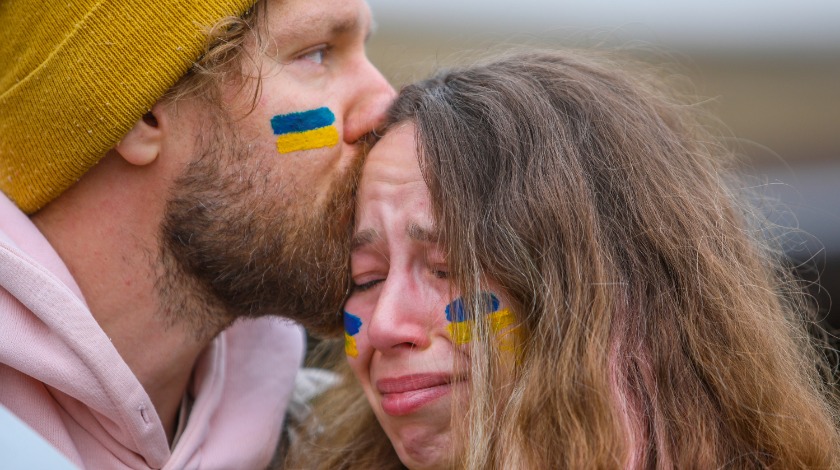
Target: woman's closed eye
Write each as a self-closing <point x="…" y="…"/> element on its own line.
<point x="367" y="285"/>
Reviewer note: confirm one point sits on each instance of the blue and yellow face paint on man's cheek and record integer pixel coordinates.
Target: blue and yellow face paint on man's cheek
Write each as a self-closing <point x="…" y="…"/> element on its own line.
<point x="352" y="325"/>
<point x="305" y="130"/>
<point x="501" y="322"/>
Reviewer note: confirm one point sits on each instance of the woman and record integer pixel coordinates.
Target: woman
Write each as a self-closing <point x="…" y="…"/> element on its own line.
<point x="550" y="270"/>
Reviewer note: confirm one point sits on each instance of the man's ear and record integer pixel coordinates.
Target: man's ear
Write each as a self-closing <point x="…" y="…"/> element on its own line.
<point x="143" y="142"/>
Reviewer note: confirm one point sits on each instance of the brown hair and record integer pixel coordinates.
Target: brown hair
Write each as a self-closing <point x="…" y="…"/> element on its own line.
<point x="224" y="54"/>
<point x="659" y="329"/>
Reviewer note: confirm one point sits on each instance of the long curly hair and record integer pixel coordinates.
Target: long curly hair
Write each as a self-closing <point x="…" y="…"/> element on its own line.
<point x="660" y="328"/>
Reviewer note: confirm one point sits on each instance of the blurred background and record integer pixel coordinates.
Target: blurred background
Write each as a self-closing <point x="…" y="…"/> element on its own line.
<point x="770" y="68"/>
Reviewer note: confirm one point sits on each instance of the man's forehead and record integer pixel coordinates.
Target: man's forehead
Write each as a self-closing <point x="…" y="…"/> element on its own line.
<point x="301" y="17"/>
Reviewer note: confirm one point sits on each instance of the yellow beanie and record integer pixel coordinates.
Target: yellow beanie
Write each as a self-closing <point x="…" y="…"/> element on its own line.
<point x="76" y="75"/>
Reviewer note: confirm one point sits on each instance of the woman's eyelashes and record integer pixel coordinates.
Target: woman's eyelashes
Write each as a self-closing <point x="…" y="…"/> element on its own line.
<point x="367" y="285"/>
<point x="361" y="286"/>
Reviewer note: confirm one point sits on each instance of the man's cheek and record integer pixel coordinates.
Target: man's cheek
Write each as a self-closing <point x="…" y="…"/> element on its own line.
<point x="305" y="130"/>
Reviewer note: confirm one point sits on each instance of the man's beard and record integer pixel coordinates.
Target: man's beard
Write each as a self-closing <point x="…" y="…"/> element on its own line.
<point x="236" y="242"/>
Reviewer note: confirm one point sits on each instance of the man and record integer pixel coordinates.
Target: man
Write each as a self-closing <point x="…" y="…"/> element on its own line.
<point x="134" y="328"/>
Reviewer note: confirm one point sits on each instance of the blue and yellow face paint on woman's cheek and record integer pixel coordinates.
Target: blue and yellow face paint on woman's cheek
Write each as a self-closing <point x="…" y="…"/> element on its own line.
<point x="352" y="325"/>
<point x="305" y="130"/>
<point x="501" y="322"/>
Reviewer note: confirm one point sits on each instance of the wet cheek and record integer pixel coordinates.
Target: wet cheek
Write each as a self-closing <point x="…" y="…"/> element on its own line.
<point x="361" y="363"/>
<point x="364" y="350"/>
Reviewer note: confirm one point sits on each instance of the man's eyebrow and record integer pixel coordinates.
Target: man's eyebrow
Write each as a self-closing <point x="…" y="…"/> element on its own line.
<point x="424" y="234"/>
<point x="363" y="238"/>
<point x="336" y="25"/>
<point x="344" y="25"/>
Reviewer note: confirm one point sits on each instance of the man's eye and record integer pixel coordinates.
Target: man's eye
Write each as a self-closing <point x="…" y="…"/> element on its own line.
<point x="315" y="56"/>
<point x="366" y="285"/>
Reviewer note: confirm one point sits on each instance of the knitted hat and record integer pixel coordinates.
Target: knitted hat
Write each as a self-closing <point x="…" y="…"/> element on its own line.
<point x="76" y="75"/>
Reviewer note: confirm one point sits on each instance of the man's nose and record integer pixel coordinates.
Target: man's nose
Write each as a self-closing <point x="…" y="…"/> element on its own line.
<point x="371" y="98"/>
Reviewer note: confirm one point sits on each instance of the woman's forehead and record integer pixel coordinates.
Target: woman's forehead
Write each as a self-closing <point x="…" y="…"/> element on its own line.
<point x="393" y="160"/>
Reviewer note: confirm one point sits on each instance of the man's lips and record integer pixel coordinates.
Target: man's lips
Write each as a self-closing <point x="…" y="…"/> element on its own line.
<point x="406" y="394"/>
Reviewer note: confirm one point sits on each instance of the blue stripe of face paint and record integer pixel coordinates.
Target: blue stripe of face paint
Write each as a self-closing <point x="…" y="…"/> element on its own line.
<point x="352" y="323"/>
<point x="302" y="121"/>
<point x="457" y="305"/>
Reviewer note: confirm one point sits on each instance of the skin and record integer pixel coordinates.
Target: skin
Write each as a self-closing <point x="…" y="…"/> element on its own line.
<point x="406" y="356"/>
<point x="108" y="227"/>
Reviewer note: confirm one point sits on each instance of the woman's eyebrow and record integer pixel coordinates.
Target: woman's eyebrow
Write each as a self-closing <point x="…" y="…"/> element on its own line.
<point x="420" y="233"/>
<point x="363" y="238"/>
<point x="415" y="231"/>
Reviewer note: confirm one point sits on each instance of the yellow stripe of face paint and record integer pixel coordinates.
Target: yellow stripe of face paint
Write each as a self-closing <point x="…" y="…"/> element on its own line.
<point x="501" y="323"/>
<point x="461" y="332"/>
<point x="501" y="319"/>
<point x="350" y="346"/>
<point x="317" y="138"/>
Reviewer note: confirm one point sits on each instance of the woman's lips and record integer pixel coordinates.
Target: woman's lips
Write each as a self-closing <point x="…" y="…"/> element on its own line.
<point x="406" y="394"/>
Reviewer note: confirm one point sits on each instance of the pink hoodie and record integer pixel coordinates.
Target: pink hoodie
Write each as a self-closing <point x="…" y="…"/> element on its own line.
<point x="60" y="373"/>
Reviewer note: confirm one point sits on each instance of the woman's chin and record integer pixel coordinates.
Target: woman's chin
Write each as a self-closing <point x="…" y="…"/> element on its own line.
<point x="426" y="452"/>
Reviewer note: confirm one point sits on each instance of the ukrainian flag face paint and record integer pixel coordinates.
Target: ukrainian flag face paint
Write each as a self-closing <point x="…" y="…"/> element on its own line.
<point x="305" y="130"/>
<point x="352" y="326"/>
<point x="501" y="321"/>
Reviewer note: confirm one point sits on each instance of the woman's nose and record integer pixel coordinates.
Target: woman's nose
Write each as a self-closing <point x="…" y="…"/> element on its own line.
<point x="403" y="317"/>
